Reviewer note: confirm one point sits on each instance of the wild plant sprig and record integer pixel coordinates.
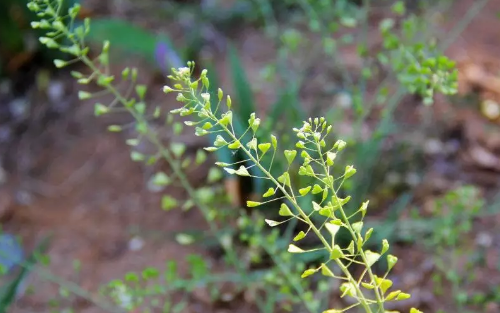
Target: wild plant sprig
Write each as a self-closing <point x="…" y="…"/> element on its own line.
<point x="311" y="140"/>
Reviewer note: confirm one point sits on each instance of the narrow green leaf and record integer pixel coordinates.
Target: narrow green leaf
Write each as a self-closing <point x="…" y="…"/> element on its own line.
<point x="299" y="236"/>
<point x="252" y="204"/>
<point x="272" y="223"/>
<point x="308" y="272"/>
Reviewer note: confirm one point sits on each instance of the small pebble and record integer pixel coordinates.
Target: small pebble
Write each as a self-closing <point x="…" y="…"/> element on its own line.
<point x="19" y="107"/>
<point x="490" y="109"/>
<point x="135" y="244"/>
<point x="55" y="91"/>
<point x="484" y="239"/>
<point x="344" y="100"/>
<point x="433" y="147"/>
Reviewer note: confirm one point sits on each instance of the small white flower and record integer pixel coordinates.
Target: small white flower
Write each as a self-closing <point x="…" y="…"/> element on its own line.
<point x="206" y="96"/>
<point x="184" y="71"/>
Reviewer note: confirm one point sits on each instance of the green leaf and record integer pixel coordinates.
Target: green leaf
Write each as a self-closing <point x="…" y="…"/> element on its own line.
<point x="178" y="148"/>
<point x="161" y="179"/>
<point x="274" y="141"/>
<point x="84" y="95"/>
<point x="384" y="284"/>
<point x="349" y="171"/>
<point x="264" y="147"/>
<point x="214" y="174"/>
<point x="336" y="253"/>
<point x="234" y="145"/>
<point x="385" y="246"/>
<point x="252" y="144"/>
<point x="299" y="236"/>
<point x="294" y="249"/>
<point x="316" y="206"/>
<point x="290" y="155"/>
<point x="333" y="230"/>
<point x="252" y="204"/>
<point x="347" y="289"/>
<point x="392" y="295"/>
<point x="350" y="248"/>
<point x="285" y="179"/>
<point x="141" y="91"/>
<point x="220" y="141"/>
<point x="371" y="257"/>
<point x="413" y="310"/>
<point x="308" y="272"/>
<point x="330" y="157"/>
<point x="325" y="271"/>
<point x="100" y="109"/>
<point x="305" y="191"/>
<point x="168" y="203"/>
<point x="227" y="118"/>
<point x="201" y="157"/>
<point x="184" y="239"/>
<point x="399" y="9"/>
<point x="269" y="193"/>
<point x="272" y="223"/>
<point x="285" y="210"/>
<point x="391" y="261"/>
<point x="317" y="189"/>
<point x="363" y="208"/>
<point x="242" y="171"/>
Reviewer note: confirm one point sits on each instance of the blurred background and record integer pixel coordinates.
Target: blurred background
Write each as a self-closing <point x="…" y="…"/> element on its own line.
<point x="70" y="192"/>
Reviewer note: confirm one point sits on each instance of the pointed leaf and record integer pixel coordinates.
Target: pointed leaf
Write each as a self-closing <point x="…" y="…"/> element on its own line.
<point x="371" y="257"/>
<point x="285" y="210"/>
<point x="305" y="191"/>
<point x="272" y="223"/>
<point x="269" y="193"/>
<point x="264" y="147"/>
<point x="242" y="171"/>
<point x="252" y="204"/>
<point x="294" y="249"/>
<point x="308" y="272"/>
<point x="325" y="271"/>
<point x="336" y="253"/>
<point x="290" y="155"/>
<point x="299" y="236"/>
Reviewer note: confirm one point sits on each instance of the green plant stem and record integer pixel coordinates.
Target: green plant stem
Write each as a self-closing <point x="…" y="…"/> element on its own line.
<point x="292" y="200"/>
<point x="346" y="221"/>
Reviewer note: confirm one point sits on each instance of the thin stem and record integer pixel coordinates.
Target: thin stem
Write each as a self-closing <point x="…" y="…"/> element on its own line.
<point x="346" y="221"/>
<point x="303" y="215"/>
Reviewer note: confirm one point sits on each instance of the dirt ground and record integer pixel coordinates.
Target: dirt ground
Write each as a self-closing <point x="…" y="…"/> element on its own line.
<point x="79" y="184"/>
